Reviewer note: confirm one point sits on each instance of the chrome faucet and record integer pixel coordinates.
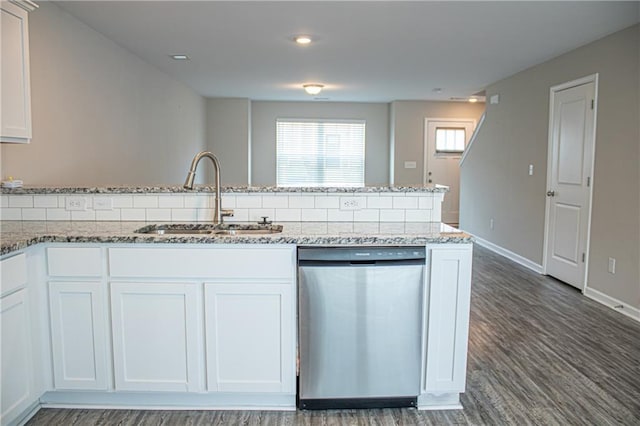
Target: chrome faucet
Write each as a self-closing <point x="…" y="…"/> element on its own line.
<point x="218" y="212"/>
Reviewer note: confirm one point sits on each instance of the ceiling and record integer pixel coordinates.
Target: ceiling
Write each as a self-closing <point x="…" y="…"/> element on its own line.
<point x="364" y="51"/>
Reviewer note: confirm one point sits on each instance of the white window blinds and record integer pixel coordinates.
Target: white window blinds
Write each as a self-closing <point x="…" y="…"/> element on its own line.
<point x="320" y="152"/>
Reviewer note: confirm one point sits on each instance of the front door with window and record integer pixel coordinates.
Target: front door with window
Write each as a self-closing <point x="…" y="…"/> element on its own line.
<point x="445" y="141"/>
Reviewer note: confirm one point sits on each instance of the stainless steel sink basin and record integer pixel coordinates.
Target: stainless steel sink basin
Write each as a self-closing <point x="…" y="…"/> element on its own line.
<point x="209" y="229"/>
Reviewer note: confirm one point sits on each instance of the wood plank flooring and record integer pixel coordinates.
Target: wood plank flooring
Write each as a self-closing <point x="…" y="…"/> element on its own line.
<point x="540" y="353"/>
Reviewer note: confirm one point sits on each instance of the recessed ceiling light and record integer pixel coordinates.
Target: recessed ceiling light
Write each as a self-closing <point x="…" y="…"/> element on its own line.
<point x="313" y="89"/>
<point x="302" y="39"/>
<point x="437" y="90"/>
<point x="180" y="57"/>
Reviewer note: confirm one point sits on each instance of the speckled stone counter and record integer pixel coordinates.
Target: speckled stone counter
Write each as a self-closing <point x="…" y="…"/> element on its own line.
<point x="17" y="235"/>
<point x="160" y="189"/>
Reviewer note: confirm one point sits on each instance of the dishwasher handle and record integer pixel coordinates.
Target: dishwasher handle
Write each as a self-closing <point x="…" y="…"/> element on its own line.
<point x="360" y="263"/>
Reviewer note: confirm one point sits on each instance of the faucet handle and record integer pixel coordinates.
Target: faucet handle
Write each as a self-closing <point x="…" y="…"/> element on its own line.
<point x="264" y="221"/>
<point x="226" y="212"/>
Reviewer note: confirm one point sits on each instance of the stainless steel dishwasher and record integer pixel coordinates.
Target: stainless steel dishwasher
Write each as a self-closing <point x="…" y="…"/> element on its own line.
<point x="360" y="326"/>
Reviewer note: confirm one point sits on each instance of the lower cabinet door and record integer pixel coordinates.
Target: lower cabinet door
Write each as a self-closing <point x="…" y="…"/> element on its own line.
<point x="78" y="335"/>
<point x="17" y="385"/>
<point x="250" y="345"/>
<point x="447" y="327"/>
<point x="156" y="339"/>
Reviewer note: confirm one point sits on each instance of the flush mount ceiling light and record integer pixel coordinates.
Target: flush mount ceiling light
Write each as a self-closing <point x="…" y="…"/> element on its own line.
<point x="313" y="89"/>
<point x="473" y="99"/>
<point x="302" y="39"/>
<point x="180" y="57"/>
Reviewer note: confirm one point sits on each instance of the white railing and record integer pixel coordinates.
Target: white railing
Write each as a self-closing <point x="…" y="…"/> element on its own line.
<point x="473" y="138"/>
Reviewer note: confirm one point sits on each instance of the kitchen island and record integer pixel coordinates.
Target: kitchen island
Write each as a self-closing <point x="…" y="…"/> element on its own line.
<point x="95" y="314"/>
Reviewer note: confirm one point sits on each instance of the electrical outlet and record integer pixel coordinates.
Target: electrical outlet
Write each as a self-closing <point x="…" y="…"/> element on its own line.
<point x="102" y="203"/>
<point x="410" y="164"/>
<point x="612" y="265"/>
<point x="351" y="203"/>
<point x="491" y="223"/>
<point x="530" y="169"/>
<point x="76" y="203"/>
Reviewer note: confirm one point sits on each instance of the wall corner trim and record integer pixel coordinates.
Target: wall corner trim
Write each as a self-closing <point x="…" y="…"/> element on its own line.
<point x="615" y="304"/>
<point x="521" y="260"/>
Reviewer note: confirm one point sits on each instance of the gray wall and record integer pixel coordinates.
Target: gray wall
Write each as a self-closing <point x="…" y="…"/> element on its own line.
<point x="265" y="113"/>
<point x="408" y="132"/>
<point x="494" y="179"/>
<point x="228" y="137"/>
<point x="100" y="114"/>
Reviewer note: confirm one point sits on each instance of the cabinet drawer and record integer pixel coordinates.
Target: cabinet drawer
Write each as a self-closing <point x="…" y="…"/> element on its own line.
<point x="240" y="262"/>
<point x="74" y="261"/>
<point x="13" y="273"/>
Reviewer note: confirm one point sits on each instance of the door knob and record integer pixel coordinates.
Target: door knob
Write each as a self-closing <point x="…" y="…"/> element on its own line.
<point x="551" y="193"/>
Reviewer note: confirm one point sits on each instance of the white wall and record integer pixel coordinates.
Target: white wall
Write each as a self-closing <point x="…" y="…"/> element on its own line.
<point x="263" y="122"/>
<point x="100" y="114"/>
<point x="494" y="179"/>
<point x="228" y="137"/>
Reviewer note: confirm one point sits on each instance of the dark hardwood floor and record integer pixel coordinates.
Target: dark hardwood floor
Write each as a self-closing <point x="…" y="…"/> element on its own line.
<point x="540" y="353"/>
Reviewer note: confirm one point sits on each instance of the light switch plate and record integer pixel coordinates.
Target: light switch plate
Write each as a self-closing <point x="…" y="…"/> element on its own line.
<point x="410" y="164"/>
<point x="102" y="203"/>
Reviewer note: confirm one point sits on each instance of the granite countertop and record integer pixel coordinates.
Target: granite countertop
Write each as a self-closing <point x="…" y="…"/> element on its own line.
<point x="130" y="189"/>
<point x="17" y="235"/>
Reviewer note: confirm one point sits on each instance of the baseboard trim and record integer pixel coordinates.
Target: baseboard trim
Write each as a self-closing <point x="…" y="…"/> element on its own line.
<point x="446" y="401"/>
<point x="615" y="304"/>
<point x="520" y="260"/>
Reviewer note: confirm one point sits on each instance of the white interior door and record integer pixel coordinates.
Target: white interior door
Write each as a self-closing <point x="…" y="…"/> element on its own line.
<point x="445" y="141"/>
<point x="570" y="166"/>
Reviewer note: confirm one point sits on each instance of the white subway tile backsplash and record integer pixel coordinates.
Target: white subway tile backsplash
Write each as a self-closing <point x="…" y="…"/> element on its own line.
<point x="391" y="215"/>
<point x="145" y="202"/>
<point x="228" y="201"/>
<point x="58" y="214"/>
<point x="133" y="214"/>
<point x="314" y="215"/>
<point x="302" y="201"/>
<point x="327" y="202"/>
<point x="412" y="215"/>
<point x="288" y="215"/>
<point x="366" y="215"/>
<point x="204" y="215"/>
<point x="196" y="201"/>
<point x="122" y="201"/>
<point x="425" y="203"/>
<point x="184" y="215"/>
<point x="45" y="201"/>
<point x="274" y="201"/>
<point x="337" y="215"/>
<point x="156" y="215"/>
<point x="171" y="201"/>
<point x="20" y="201"/>
<point x="379" y="202"/>
<point x="4" y="201"/>
<point x="108" y="214"/>
<point x="249" y="201"/>
<point x="239" y="215"/>
<point x="255" y="215"/>
<point x="248" y="207"/>
<point x="8" y="213"/>
<point x="83" y="215"/>
<point x="405" y="202"/>
<point x="34" y="214"/>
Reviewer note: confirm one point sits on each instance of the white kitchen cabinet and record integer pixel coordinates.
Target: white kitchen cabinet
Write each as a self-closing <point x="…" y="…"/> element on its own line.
<point x="250" y="340"/>
<point x="78" y="335"/>
<point x="17" y="381"/>
<point x="15" y="91"/>
<point x="156" y="336"/>
<point x="447" y="320"/>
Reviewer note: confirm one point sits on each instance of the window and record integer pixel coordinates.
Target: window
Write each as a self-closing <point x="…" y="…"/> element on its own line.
<point x="450" y="140"/>
<point x="320" y="152"/>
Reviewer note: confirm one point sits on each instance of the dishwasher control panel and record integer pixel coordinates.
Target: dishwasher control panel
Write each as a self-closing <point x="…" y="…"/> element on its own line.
<point x="341" y="254"/>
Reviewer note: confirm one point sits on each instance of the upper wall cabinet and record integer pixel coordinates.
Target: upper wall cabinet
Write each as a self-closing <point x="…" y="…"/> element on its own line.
<point x="15" y="112"/>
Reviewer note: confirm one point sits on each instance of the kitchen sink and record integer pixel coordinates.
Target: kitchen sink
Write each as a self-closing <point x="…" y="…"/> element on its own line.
<point x="209" y="229"/>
